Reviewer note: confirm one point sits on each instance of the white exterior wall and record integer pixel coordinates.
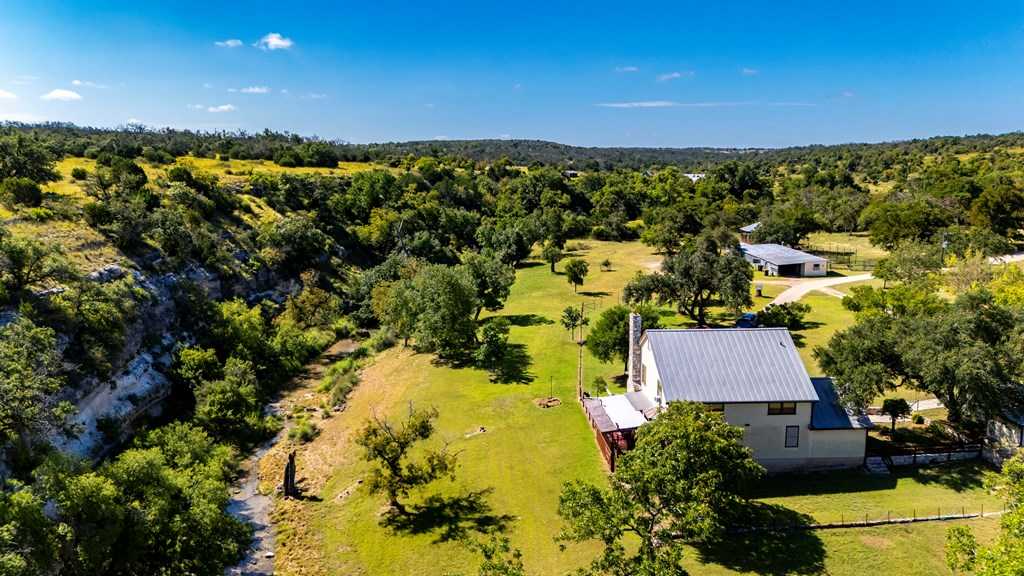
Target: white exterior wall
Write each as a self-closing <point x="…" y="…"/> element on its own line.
<point x="766" y="434"/>
<point x="649" y="378"/>
<point x="810" y="271"/>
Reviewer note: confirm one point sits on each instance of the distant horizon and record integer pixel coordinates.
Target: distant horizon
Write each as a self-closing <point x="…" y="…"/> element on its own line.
<point x="663" y="75"/>
<point x="342" y="142"/>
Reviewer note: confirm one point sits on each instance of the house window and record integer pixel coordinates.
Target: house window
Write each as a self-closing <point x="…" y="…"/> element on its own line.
<point x="781" y="408"/>
<point x="792" y="436"/>
<point x="713" y="407"/>
<point x="817" y="266"/>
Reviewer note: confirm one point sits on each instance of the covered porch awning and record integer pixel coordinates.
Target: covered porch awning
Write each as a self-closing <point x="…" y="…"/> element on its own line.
<point x="619" y="411"/>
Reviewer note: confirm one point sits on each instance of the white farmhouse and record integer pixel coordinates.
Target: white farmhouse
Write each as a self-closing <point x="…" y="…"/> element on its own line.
<point x="755" y="377"/>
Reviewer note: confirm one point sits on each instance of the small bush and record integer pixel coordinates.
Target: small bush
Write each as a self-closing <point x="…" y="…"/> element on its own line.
<point x="20" y="191"/>
<point x="600" y="385"/>
<point x="79" y="173"/>
<point x="918" y="419"/>
<point x="577" y="247"/>
<point x="339" y="379"/>
<point x="39" y="214"/>
<point x="382" y="340"/>
<point x="303" y="431"/>
<point x="343" y="328"/>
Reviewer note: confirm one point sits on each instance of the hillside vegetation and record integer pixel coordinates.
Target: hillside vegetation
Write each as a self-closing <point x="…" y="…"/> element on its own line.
<point x="160" y="288"/>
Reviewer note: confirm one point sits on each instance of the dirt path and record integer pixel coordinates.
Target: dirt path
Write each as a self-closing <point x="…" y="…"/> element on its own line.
<point x="300" y="549"/>
<point x="251" y="503"/>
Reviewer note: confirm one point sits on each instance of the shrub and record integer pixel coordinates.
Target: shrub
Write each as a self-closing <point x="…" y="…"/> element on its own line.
<point x="343" y="328"/>
<point x="20" y="191"/>
<point x="303" y="431"/>
<point x="79" y="173"/>
<point x="382" y="340"/>
<point x="39" y="214"/>
<point x="918" y="419"/>
<point x="789" y="315"/>
<point x="339" y="379"/>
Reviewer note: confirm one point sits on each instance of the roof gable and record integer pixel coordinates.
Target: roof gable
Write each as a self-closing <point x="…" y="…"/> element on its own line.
<point x="730" y="365"/>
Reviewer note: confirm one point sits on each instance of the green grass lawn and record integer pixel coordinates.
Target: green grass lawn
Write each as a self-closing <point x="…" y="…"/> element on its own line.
<point x="842" y="241"/>
<point x="511" y="473"/>
<point x="850" y="495"/>
<point x="826" y="317"/>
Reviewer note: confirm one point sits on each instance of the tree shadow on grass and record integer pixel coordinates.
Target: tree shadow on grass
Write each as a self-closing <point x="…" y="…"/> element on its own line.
<point x="817" y="483"/>
<point x="594" y="294"/>
<point x="514" y="367"/>
<point x="956" y="477"/>
<point x="450" y="517"/>
<point x="524" y="320"/>
<point x="530" y="264"/>
<point x="767" y="540"/>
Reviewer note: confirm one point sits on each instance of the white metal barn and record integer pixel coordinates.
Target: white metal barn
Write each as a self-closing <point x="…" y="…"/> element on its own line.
<point x="779" y="260"/>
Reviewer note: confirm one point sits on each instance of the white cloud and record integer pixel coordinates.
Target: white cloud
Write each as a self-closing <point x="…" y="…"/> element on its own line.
<point x="196" y="106"/>
<point x="504" y="136"/>
<point x="24" y="80"/>
<point x="61" y="95"/>
<point x="229" y="43"/>
<point x="284" y="91"/>
<point x="274" y="41"/>
<point x="207" y="85"/>
<point x="673" y="75"/>
<point x="626" y="69"/>
<point x="88" y="84"/>
<point x="749" y="71"/>
<point x="255" y="90"/>
<point x="847" y="93"/>
<point x="640" y="104"/>
<point x="134" y="121"/>
<point x="221" y="108"/>
<point x="5" y="95"/>
<point x="710" y="104"/>
<point x="317" y="96"/>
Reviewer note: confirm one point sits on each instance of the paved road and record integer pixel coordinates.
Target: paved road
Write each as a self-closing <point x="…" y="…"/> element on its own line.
<point x="801" y="287"/>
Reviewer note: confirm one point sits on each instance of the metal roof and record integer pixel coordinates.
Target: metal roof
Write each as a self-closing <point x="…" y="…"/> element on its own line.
<point x="779" y="255"/>
<point x="730" y="365"/>
<point x="750" y="227"/>
<point x="828" y="413"/>
<point x="621" y="411"/>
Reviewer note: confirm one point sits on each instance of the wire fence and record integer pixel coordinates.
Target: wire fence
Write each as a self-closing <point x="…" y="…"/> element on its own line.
<point x="842" y="257"/>
<point x="867" y="519"/>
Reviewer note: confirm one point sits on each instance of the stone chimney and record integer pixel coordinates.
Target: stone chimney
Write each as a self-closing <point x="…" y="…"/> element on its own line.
<point x="633" y="361"/>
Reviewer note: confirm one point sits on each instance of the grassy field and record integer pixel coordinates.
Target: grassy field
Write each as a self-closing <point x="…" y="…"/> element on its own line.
<point x="515" y="456"/>
<point x="234" y="167"/>
<point x="856" y="241"/>
<point x="827" y="316"/>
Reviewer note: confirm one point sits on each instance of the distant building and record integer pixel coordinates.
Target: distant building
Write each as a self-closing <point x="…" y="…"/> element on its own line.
<point x="779" y="260"/>
<point x="754" y="377"/>
<point x="694" y="177"/>
<point x="747" y="232"/>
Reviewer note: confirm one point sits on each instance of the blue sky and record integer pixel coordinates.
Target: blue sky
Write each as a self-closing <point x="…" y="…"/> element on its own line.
<point x="590" y="73"/>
